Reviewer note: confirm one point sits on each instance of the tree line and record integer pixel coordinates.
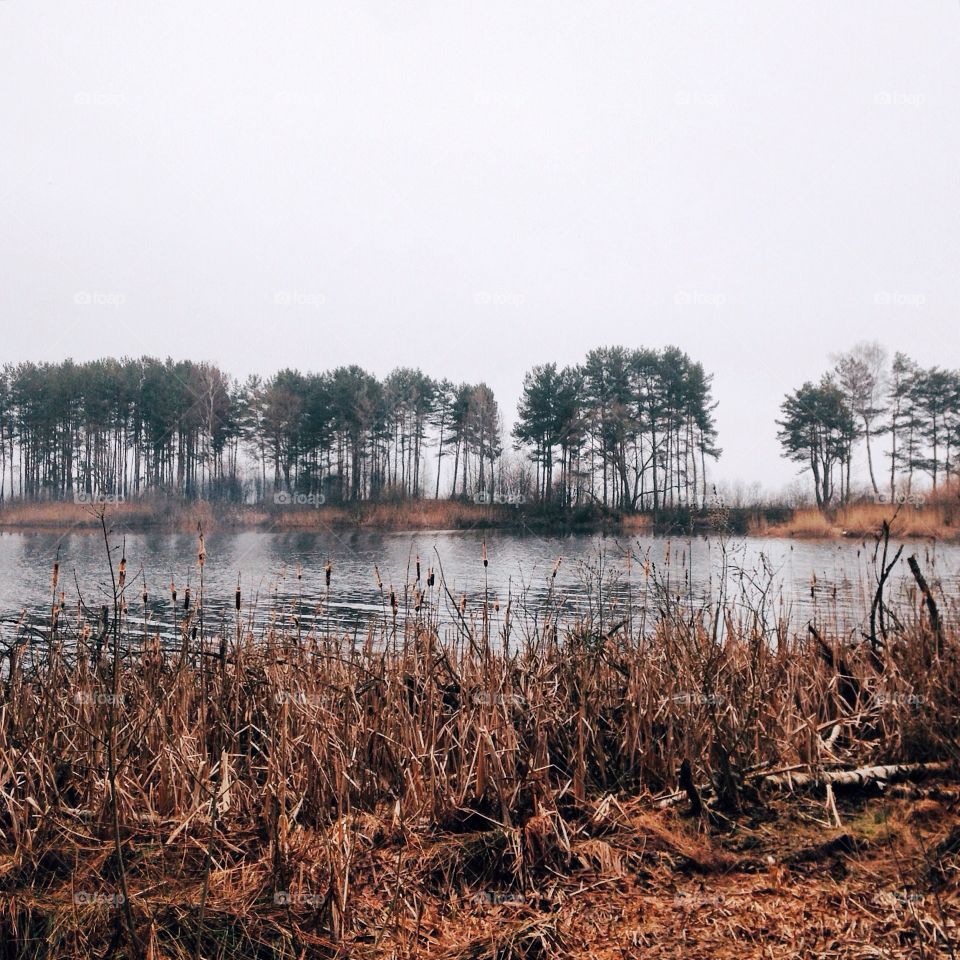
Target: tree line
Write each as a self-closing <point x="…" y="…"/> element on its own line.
<point x="630" y="429"/>
<point x="626" y="428"/>
<point x="135" y="426"/>
<point x="907" y="418"/>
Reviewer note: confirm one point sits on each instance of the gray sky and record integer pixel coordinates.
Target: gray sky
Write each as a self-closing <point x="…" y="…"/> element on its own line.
<point x="474" y="188"/>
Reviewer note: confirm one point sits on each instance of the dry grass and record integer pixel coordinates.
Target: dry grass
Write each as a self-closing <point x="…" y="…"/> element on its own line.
<point x="638" y="523"/>
<point x="403" y="515"/>
<point x="179" y="514"/>
<point x="485" y="793"/>
<point x="149" y="512"/>
<point x="935" y="520"/>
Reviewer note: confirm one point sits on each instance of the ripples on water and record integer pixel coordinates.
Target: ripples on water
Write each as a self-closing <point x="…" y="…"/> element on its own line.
<point x="282" y="578"/>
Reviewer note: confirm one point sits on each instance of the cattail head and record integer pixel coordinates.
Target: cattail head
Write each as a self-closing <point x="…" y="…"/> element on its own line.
<point x="393" y="599"/>
<point x="430" y="578"/>
<point x="144" y="595"/>
<point x="122" y="579"/>
<point x="327" y="570"/>
<point x="201" y="550"/>
<point x="186" y="599"/>
<point x="236" y="599"/>
<point x="173" y="593"/>
<point x="463" y="604"/>
<point x="418" y="568"/>
<point x="376" y="573"/>
<point x="556" y="568"/>
<point x="56" y="574"/>
<point x="483" y="552"/>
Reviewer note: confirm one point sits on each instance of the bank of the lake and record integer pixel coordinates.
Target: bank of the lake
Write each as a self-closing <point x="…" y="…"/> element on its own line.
<point x="939" y="520"/>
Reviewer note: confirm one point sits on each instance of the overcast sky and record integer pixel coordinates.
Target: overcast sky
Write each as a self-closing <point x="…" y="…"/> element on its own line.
<point x="474" y="188"/>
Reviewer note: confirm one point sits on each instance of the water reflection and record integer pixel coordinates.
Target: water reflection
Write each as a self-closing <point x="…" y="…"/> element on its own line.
<point x="281" y="575"/>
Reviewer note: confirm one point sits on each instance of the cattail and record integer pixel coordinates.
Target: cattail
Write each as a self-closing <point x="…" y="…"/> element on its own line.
<point x="56" y="574"/>
<point x="393" y="600"/>
<point x="299" y="571"/>
<point x="173" y="593"/>
<point x="327" y="570"/>
<point x="144" y="594"/>
<point x="201" y="549"/>
<point x="376" y="573"/>
<point x="483" y="552"/>
<point x="236" y="599"/>
<point x="556" y="568"/>
<point x="463" y="604"/>
<point x="418" y="569"/>
<point x="430" y="577"/>
<point x="123" y="573"/>
<point x="186" y="599"/>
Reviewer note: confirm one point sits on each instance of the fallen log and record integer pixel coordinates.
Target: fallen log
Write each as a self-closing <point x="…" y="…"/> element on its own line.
<point x="860" y="777"/>
<point x="796" y="778"/>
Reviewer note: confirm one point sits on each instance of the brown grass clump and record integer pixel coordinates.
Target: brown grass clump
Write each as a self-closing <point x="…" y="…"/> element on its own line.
<point x="181" y="514"/>
<point x="147" y="513"/>
<point x="466" y="791"/>
<point x="937" y="520"/>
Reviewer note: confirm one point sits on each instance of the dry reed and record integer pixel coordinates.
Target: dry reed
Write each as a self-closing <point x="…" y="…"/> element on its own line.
<point x="240" y="793"/>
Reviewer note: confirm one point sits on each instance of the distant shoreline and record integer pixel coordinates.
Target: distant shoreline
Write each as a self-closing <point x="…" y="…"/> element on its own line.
<point x="939" y="521"/>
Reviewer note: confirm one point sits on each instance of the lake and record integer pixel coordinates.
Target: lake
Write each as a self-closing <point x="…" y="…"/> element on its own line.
<point x="282" y="575"/>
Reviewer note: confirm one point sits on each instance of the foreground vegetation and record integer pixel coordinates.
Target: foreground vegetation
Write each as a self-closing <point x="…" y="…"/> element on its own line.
<point x="478" y="781"/>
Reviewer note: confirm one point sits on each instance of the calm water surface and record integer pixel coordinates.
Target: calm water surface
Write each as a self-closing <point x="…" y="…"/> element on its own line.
<point x="281" y="575"/>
